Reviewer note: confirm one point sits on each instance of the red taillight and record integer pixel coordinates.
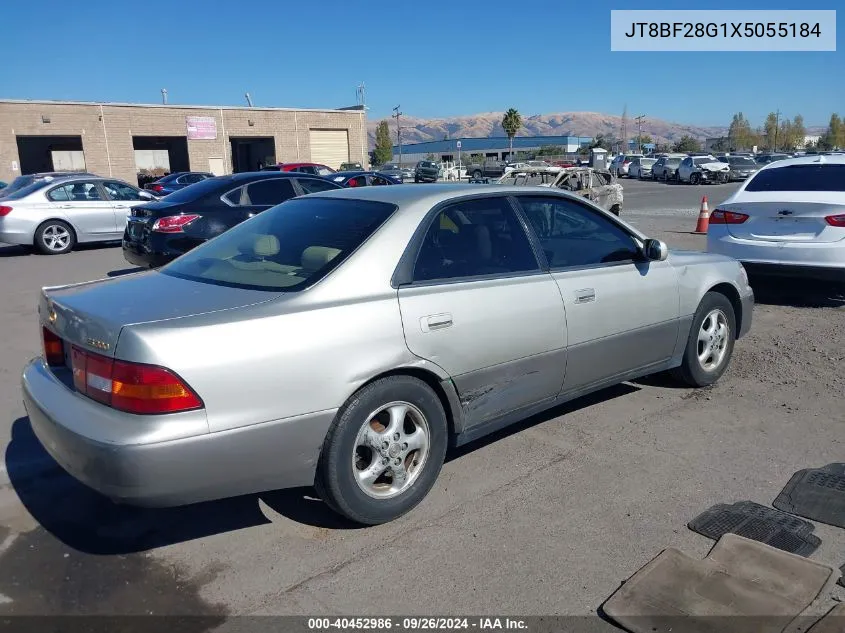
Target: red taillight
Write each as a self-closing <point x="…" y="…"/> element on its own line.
<point x="54" y="352"/>
<point x="4" y="211"/>
<point x="173" y="223"/>
<point x="720" y="216"/>
<point x="131" y="387"/>
<point x="833" y="220"/>
<point x="158" y="187"/>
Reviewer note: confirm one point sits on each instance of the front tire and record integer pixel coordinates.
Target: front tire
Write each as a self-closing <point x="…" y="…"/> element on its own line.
<point x="54" y="237"/>
<point x="694" y="178"/>
<point x="710" y="344"/>
<point x="384" y="451"/>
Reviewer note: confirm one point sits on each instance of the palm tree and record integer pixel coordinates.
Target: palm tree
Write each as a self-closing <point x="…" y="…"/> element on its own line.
<point x="511" y="123"/>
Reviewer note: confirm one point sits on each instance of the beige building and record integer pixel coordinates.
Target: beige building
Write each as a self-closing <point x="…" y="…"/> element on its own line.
<point x="125" y="140"/>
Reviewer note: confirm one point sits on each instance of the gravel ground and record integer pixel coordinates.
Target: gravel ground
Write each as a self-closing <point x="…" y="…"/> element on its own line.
<point x="546" y="517"/>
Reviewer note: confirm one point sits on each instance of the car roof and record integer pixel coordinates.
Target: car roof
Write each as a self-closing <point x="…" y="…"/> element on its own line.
<point x="813" y="159"/>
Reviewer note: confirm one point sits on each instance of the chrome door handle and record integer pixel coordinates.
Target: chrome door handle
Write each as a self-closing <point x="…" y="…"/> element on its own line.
<point x="585" y="295"/>
<point x="121" y="206"/>
<point x="436" y="322"/>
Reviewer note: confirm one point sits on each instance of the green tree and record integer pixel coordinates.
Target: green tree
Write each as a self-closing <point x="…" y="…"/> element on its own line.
<point x="721" y="145"/>
<point x="384" y="146"/>
<point x="551" y="150"/>
<point x="687" y="143"/>
<point x="511" y="123"/>
<point x="642" y="140"/>
<point x="770" y="128"/>
<point x="601" y="141"/>
<point x="797" y="131"/>
<point x="740" y="135"/>
<point x="836" y="131"/>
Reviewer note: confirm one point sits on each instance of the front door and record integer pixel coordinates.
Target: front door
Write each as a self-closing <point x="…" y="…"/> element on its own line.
<point x="621" y="310"/>
<point x="123" y="197"/>
<point x="480" y="307"/>
<point x="84" y="205"/>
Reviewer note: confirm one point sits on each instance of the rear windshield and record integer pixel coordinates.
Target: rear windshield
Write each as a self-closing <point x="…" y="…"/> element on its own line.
<point x="425" y="163"/>
<point x="24" y="191"/>
<point x="286" y="248"/>
<point x="196" y="191"/>
<point x="739" y="160"/>
<point x="799" y="178"/>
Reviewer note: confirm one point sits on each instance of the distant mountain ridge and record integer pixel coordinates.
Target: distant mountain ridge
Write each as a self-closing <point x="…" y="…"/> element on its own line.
<point x="486" y="124"/>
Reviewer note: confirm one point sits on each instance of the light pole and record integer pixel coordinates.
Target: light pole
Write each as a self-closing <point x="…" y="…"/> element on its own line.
<point x="396" y="115"/>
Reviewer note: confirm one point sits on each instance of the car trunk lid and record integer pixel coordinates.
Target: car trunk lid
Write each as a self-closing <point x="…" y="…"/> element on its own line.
<point x="92" y="314"/>
<point x="773" y="220"/>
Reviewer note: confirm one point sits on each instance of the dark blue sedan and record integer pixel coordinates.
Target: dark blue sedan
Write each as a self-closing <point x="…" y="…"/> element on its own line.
<point x="175" y="181"/>
<point x="361" y="179"/>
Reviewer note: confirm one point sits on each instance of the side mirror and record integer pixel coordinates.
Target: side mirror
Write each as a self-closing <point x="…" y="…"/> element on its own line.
<point x="655" y="250"/>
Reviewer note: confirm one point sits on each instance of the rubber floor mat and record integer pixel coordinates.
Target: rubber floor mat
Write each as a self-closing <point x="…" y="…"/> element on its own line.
<point x="757" y="522"/>
<point x="816" y="493"/>
<point x="832" y="622"/>
<point x="742" y="585"/>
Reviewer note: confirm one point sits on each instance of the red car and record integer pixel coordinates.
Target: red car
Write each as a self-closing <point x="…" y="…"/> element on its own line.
<point x="315" y="169"/>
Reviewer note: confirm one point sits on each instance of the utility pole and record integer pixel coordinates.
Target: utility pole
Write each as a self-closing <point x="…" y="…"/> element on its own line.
<point x="777" y="127"/>
<point x="359" y="96"/>
<point x="624" y="130"/>
<point x="396" y="114"/>
<point x="639" y="120"/>
<point x="164" y="96"/>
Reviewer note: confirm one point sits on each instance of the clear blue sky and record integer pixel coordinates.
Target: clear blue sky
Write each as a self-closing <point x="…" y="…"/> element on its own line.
<point x="434" y="58"/>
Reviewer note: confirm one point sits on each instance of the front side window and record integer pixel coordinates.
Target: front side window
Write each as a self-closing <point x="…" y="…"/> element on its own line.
<point x="573" y="235"/>
<point x="117" y="190"/>
<point x="322" y="170"/>
<point x="474" y="238"/>
<point x="261" y="193"/>
<point x="75" y="192"/>
<point x="286" y="248"/>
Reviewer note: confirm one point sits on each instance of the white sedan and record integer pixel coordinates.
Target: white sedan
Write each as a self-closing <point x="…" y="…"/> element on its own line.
<point x="788" y="219"/>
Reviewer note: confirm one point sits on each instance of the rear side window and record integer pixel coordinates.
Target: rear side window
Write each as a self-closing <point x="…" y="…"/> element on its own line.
<point x="23" y="191"/>
<point x="286" y="248"/>
<point x="261" y="193"/>
<point x="799" y="178"/>
<point x="474" y="238"/>
<point x="315" y="185"/>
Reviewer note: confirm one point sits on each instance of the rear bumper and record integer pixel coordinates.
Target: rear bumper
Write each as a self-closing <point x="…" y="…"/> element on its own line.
<point x="821" y="260"/>
<point x="824" y="273"/>
<point x="201" y="467"/>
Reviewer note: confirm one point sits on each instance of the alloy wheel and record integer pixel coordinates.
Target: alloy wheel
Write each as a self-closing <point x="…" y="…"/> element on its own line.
<point x="713" y="339"/>
<point x="391" y="450"/>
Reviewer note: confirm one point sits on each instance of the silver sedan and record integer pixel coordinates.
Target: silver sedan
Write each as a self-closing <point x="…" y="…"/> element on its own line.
<point x="54" y="214"/>
<point x="345" y="339"/>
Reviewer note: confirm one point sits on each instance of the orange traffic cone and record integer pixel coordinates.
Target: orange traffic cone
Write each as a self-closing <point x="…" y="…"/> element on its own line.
<point x="703" y="218"/>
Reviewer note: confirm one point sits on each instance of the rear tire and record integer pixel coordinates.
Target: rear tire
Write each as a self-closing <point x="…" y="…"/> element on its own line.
<point x="372" y="473"/>
<point x="710" y="343"/>
<point x="54" y="237"/>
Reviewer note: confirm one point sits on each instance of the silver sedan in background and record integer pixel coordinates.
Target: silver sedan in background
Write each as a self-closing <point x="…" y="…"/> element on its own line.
<point x="54" y="214"/>
<point x="345" y="339"/>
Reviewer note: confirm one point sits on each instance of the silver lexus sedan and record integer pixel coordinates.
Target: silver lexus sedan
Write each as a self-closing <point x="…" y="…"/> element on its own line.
<point x="345" y="339"/>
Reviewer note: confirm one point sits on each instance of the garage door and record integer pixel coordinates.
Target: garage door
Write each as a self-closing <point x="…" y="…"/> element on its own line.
<point x="330" y="147"/>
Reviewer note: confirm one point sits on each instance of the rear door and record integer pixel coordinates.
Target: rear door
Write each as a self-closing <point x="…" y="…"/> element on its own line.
<point x="123" y="197"/>
<point x="85" y="205"/>
<point x="479" y="306"/>
<point x="790" y="204"/>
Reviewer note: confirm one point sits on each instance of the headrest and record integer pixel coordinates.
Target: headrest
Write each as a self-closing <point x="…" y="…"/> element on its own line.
<point x="266" y="245"/>
<point x="315" y="257"/>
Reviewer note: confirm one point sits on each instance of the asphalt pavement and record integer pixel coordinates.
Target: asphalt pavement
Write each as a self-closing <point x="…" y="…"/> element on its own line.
<point x="546" y="517"/>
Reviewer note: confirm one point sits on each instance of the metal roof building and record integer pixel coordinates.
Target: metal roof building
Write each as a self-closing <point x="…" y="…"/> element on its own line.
<point x="492" y="147"/>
